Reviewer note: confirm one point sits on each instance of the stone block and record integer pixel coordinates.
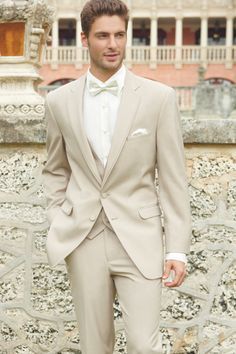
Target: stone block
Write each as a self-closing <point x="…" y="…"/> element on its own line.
<point x="50" y="292"/>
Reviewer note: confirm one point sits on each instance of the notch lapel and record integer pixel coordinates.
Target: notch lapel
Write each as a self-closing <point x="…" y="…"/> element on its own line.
<point x="76" y="117"/>
<point x="127" y="110"/>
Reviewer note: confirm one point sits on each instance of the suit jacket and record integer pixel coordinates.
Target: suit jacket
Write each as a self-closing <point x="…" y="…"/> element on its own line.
<point x="76" y="192"/>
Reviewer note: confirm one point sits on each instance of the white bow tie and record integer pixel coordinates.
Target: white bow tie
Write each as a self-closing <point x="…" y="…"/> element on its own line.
<point x="95" y="89"/>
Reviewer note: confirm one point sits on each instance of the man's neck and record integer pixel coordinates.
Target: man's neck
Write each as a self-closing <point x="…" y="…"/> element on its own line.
<point x="101" y="75"/>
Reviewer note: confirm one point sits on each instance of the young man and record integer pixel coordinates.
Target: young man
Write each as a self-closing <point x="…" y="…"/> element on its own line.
<point x="108" y="131"/>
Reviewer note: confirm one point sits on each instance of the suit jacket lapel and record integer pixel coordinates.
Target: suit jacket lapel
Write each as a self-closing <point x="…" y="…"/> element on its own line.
<point x="128" y="107"/>
<point x="76" y="117"/>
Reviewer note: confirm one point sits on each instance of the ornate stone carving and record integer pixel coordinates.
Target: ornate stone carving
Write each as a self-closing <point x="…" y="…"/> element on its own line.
<point x="22" y="111"/>
<point x="38" y="10"/>
<point x="21" y="107"/>
<point x="38" y="16"/>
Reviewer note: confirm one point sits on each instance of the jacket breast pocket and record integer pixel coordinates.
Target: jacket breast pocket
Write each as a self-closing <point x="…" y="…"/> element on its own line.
<point x="149" y="211"/>
<point x="138" y="137"/>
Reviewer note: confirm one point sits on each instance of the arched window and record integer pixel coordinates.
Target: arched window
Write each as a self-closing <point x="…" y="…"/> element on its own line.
<point x="219" y="81"/>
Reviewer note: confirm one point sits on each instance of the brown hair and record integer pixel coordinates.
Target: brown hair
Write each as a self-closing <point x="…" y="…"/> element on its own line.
<point x="97" y="8"/>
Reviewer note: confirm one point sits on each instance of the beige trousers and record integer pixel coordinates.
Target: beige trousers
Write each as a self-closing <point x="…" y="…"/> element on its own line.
<point x="98" y="269"/>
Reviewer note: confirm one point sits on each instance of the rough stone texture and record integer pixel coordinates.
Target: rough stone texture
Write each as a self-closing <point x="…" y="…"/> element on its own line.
<point x="214" y="100"/>
<point x="50" y="290"/>
<point x="211" y="131"/>
<point x="37" y="313"/>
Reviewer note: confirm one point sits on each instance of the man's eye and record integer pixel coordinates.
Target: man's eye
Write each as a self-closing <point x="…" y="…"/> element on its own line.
<point x="120" y="35"/>
<point x="102" y="35"/>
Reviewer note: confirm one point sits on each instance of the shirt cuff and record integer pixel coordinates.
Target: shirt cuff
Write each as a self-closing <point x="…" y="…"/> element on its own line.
<point x="176" y="257"/>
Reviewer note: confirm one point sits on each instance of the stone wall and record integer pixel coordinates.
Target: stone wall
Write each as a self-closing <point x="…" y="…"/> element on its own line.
<point x="37" y="314"/>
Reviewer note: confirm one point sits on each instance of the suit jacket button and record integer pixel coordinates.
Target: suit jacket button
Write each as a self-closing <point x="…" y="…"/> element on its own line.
<point x="104" y="195"/>
<point x="92" y="218"/>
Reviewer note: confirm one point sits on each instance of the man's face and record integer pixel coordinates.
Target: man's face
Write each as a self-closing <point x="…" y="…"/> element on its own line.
<point x="106" y="43"/>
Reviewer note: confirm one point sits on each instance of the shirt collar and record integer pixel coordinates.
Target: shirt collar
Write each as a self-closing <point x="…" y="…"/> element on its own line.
<point x="119" y="76"/>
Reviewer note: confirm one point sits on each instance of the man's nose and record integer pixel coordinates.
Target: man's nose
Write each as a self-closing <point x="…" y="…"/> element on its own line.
<point x="112" y="42"/>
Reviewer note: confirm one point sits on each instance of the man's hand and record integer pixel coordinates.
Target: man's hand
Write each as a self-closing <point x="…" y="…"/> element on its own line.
<point x="179" y="269"/>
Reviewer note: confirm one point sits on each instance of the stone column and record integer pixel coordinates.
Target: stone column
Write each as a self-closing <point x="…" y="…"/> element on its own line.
<point x="79" y="58"/>
<point x="229" y="41"/>
<point x="129" y="43"/>
<point x="21" y="107"/>
<point x="55" y="44"/>
<point x="153" y="42"/>
<point x="178" y="41"/>
<point x="204" y="40"/>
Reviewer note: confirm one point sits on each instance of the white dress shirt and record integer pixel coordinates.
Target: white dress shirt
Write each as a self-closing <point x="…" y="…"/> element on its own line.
<point x="100" y="113"/>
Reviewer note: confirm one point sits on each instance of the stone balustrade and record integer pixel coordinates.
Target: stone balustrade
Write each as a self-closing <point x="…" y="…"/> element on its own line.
<point x="142" y="55"/>
<point x="186" y="97"/>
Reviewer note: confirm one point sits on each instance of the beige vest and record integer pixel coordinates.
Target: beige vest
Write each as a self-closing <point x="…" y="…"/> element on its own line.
<point x="102" y="220"/>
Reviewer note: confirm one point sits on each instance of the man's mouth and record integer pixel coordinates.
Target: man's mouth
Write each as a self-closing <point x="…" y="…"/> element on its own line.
<point x="111" y="56"/>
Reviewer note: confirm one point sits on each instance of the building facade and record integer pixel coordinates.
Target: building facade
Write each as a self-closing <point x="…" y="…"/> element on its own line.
<point x="168" y="40"/>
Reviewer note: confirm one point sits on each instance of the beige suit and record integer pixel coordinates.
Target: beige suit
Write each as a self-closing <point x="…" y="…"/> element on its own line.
<point x="126" y="192"/>
<point x="76" y="193"/>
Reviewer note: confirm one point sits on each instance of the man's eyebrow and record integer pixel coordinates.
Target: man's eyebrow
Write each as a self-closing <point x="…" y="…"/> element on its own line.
<point x="104" y="32"/>
<point x="101" y="32"/>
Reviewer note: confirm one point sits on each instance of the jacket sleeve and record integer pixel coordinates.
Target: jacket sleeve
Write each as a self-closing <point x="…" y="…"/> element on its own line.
<point x="172" y="179"/>
<point x="56" y="172"/>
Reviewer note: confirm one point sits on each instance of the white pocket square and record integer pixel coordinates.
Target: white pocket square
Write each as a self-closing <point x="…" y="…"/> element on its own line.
<point x="139" y="132"/>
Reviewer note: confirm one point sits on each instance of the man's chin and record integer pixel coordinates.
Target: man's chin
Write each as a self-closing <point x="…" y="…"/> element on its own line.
<point x="112" y="65"/>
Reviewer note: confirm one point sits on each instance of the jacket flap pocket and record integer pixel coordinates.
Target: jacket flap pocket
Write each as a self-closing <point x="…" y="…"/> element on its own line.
<point x="149" y="211"/>
<point x="67" y="207"/>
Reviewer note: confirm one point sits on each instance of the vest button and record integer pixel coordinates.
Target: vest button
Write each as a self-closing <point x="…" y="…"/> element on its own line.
<point x="92" y="218"/>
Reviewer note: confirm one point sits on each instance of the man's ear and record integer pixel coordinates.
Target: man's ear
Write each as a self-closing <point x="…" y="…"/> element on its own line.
<point x="84" y="39"/>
